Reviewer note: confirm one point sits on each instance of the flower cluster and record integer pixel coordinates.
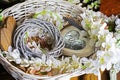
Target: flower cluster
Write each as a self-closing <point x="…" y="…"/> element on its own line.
<point x="107" y="49"/>
<point x="89" y="4"/>
<point x="50" y="16"/>
<point x="106" y="43"/>
<point x="47" y="64"/>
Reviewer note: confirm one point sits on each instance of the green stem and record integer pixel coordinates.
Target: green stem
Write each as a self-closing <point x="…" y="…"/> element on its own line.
<point x="0" y="15"/>
<point x="113" y="74"/>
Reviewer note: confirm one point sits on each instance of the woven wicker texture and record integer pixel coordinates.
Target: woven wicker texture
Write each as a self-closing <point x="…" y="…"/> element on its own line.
<point x="23" y="11"/>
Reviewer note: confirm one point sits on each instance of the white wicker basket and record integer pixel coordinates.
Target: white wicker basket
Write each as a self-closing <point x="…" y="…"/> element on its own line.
<point x="22" y="11"/>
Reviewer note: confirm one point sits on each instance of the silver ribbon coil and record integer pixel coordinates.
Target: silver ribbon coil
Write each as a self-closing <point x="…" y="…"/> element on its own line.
<point x="20" y="31"/>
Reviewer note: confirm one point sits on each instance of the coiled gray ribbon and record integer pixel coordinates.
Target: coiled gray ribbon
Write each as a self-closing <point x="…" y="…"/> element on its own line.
<point x="20" y="31"/>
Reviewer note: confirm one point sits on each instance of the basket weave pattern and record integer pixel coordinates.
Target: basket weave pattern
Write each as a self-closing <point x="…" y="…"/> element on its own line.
<point x="23" y="11"/>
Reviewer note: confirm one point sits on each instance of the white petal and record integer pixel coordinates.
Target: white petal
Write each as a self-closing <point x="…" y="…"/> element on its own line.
<point x="109" y="65"/>
<point x="10" y="49"/>
<point x="103" y="67"/>
<point x="117" y="22"/>
<point x="18" y="61"/>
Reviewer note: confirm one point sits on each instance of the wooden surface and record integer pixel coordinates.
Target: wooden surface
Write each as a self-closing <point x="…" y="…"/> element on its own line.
<point x="6" y="32"/>
<point x="118" y="76"/>
<point x="110" y="7"/>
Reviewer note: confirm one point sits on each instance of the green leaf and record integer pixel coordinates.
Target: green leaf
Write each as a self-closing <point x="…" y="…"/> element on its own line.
<point x="83" y="67"/>
<point x="43" y="73"/>
<point x="26" y="36"/>
<point x="102" y="61"/>
<point x="3" y="54"/>
<point x="88" y="23"/>
<point x="1" y="17"/>
<point x="40" y="13"/>
<point x="43" y="50"/>
<point x="86" y="1"/>
<point x="59" y="19"/>
<point x="111" y="26"/>
<point x="118" y="42"/>
<point x="70" y="1"/>
<point x="43" y="12"/>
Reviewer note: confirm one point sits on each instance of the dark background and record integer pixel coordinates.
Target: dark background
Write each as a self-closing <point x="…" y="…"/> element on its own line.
<point x="4" y="75"/>
<point x="3" y="5"/>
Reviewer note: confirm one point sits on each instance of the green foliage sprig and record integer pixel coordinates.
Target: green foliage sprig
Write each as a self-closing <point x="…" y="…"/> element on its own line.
<point x="1" y="17"/>
<point x="91" y="4"/>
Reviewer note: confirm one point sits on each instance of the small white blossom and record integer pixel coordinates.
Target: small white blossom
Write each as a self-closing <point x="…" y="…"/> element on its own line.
<point x="107" y="47"/>
<point x="25" y="63"/>
<point x="37" y="62"/>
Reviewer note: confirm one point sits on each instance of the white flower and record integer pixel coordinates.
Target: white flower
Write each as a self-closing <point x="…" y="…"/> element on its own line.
<point x="117" y="35"/>
<point x="109" y="42"/>
<point x="56" y="62"/>
<point x="103" y="67"/>
<point x="116" y="53"/>
<point x="29" y="44"/>
<point x="25" y="63"/>
<point x="10" y="49"/>
<point x="13" y="55"/>
<point x="117" y="22"/>
<point x="49" y="62"/>
<point x="100" y="53"/>
<point x="18" y="61"/>
<point x="103" y="58"/>
<point x="51" y="16"/>
<point x="37" y="50"/>
<point x="74" y="58"/>
<point x="44" y="58"/>
<point x="102" y="29"/>
<point x="37" y="62"/>
<point x="85" y="63"/>
<point x="34" y="44"/>
<point x="117" y="66"/>
<point x="117" y="28"/>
